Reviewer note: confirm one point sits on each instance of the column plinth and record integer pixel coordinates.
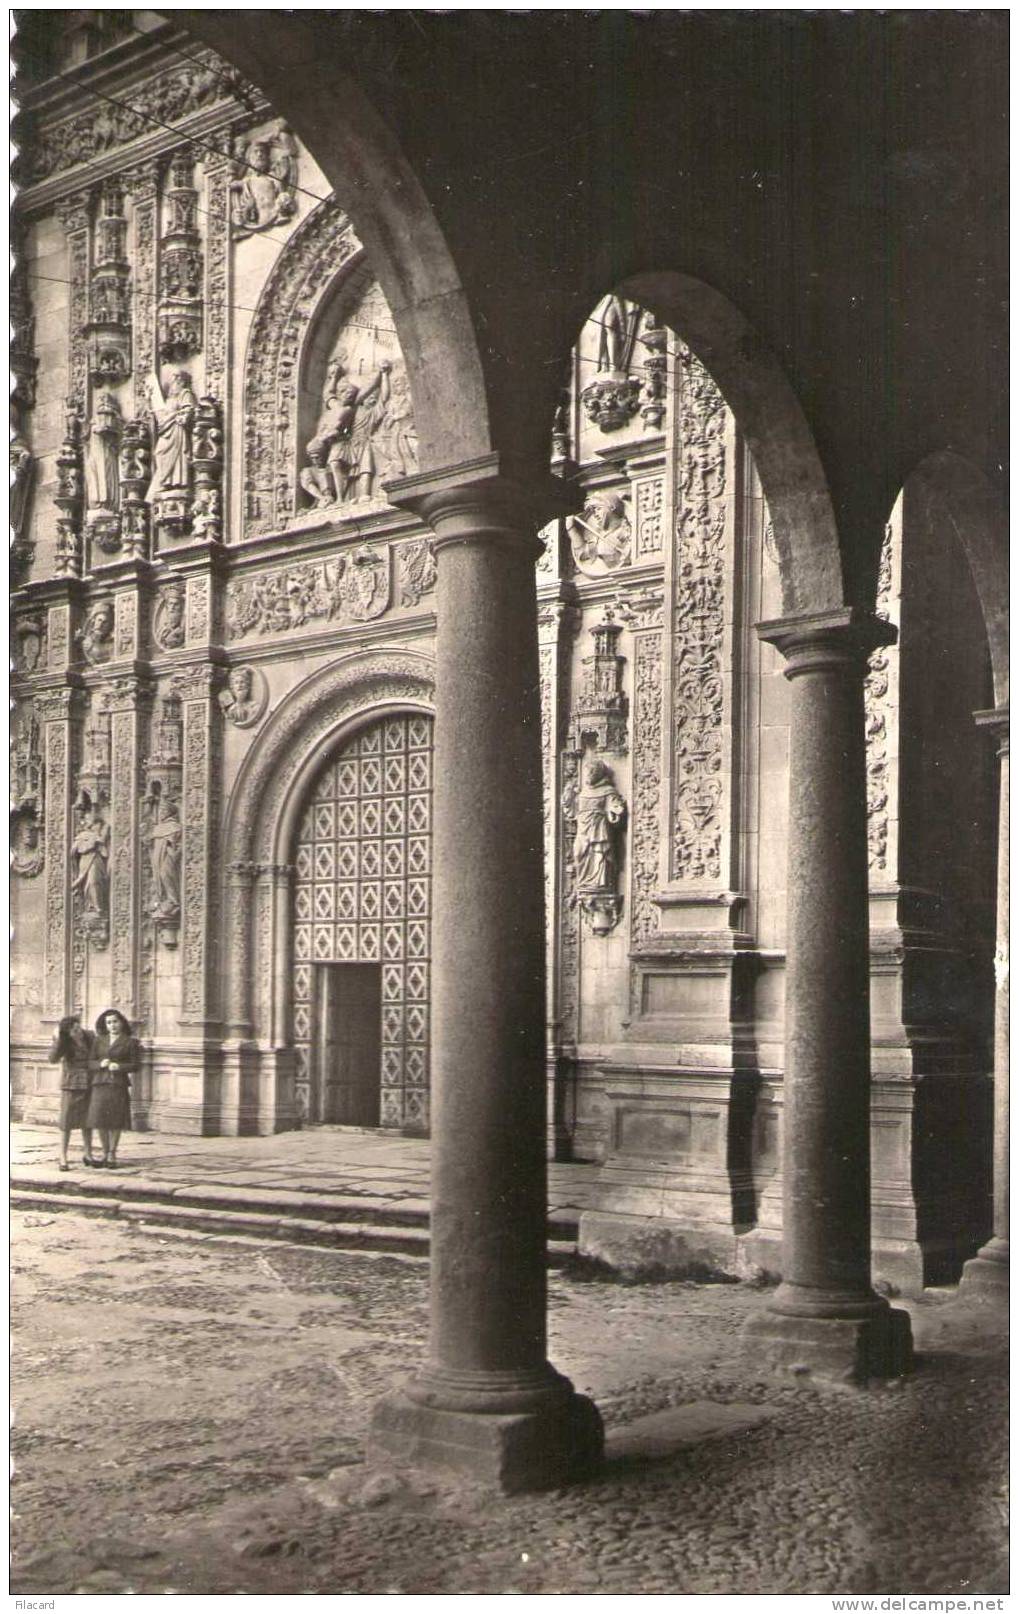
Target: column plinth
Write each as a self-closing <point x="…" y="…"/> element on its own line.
<point x="487" y="1401"/>
<point x="986" y="1275"/>
<point x="825" y="1317"/>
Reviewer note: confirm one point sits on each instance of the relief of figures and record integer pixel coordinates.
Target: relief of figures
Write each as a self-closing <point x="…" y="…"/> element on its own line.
<point x="265" y="180"/>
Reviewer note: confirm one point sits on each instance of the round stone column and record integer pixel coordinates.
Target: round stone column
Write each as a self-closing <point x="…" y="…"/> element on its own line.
<point x="825" y="1317"/>
<point x="986" y="1276"/>
<point x="487" y="1401"/>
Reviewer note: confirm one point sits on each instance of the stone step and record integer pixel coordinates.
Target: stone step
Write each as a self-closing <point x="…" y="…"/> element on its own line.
<point x="129" y="1201"/>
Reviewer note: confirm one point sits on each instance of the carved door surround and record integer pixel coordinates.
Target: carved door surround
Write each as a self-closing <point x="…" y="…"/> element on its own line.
<point x="260" y="829"/>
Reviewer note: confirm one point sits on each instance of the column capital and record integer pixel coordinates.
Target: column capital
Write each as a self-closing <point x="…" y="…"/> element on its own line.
<point x="493" y="499"/>
<point x="815" y="640"/>
<point x="996" y="721"/>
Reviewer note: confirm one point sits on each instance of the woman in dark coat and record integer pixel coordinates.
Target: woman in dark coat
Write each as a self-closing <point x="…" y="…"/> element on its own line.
<point x="115" y="1055"/>
<point x="72" y="1047"/>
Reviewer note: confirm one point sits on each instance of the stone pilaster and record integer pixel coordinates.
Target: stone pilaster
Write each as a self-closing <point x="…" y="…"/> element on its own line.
<point x="58" y="711"/>
<point x="128" y="703"/>
<point x="488" y="1401"/>
<point x="557" y="623"/>
<point x="825" y="1316"/>
<point x="197" y="686"/>
<point x="987" y="1275"/>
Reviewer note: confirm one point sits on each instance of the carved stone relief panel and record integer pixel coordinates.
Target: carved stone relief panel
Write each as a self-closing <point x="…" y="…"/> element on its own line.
<point x="164" y="98"/>
<point x="699" y="609"/>
<point x="168" y="616"/>
<point x="363" y="434"/>
<point x="263" y="186"/>
<point x="29" y="643"/>
<point x="126" y="646"/>
<point x="351" y="587"/>
<point x="199" y="811"/>
<point x="199" y="608"/>
<point x="881" y="703"/>
<point x="244" y="700"/>
<point x="600" y="538"/>
<point x="308" y="266"/>
<point x="27" y="794"/>
<point x="649" y="496"/>
<point x="646" y="822"/>
<point x="416" y="571"/>
<point x="54" y="712"/>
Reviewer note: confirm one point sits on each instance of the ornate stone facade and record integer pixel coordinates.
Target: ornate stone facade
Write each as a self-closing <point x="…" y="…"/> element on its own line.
<point x="218" y="611"/>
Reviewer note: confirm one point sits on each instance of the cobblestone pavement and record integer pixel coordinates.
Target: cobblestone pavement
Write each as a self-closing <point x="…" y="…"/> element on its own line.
<point x="190" y="1415"/>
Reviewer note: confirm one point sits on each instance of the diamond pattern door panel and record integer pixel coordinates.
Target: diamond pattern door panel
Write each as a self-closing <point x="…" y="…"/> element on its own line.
<point x="363" y="895"/>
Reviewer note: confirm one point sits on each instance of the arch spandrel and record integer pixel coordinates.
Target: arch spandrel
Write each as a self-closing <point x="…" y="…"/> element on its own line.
<point x="776" y="430"/>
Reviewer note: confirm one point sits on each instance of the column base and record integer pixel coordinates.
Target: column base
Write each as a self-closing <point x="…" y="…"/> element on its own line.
<point x="985" y="1277"/>
<point x="848" y="1350"/>
<point x="515" y="1451"/>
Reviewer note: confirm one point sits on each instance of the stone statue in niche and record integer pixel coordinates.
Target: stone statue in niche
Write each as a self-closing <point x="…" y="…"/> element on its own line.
<point x="612" y="398"/>
<point x="599" y="812"/>
<point x="245" y="698"/>
<point x="28" y="635"/>
<point x="173" y="415"/>
<point x="22" y="466"/>
<point x="90" y="857"/>
<point x="168" y="617"/>
<point x="163" y="838"/>
<point x="600" y="538"/>
<point x="27" y="794"/>
<point x="96" y="635"/>
<point x="265" y="180"/>
<point x="102" y="458"/>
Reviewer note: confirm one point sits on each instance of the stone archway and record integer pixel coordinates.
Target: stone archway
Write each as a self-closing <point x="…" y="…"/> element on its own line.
<point x="775" y="427"/>
<point x="258" y="1079"/>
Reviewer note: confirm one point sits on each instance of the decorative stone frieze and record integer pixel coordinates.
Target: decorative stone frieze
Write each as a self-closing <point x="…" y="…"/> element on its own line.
<point x="352" y="587"/>
<point x="167" y="97"/>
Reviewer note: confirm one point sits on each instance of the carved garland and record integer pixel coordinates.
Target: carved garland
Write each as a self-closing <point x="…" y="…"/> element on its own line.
<point x="699" y="626"/>
<point x="289" y="302"/>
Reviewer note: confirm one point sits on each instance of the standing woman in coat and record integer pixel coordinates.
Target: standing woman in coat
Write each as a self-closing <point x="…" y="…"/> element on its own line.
<point x="115" y="1055"/>
<point x="72" y="1047"/>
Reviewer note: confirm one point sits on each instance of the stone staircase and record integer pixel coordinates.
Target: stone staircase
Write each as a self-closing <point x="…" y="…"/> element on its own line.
<point x="328" y="1221"/>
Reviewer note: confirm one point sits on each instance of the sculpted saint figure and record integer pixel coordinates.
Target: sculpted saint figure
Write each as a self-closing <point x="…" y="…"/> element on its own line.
<point x="172" y="417"/>
<point x="164" y="840"/>
<point x="102" y="460"/>
<point x="600" y="809"/>
<point x="90" y="851"/>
